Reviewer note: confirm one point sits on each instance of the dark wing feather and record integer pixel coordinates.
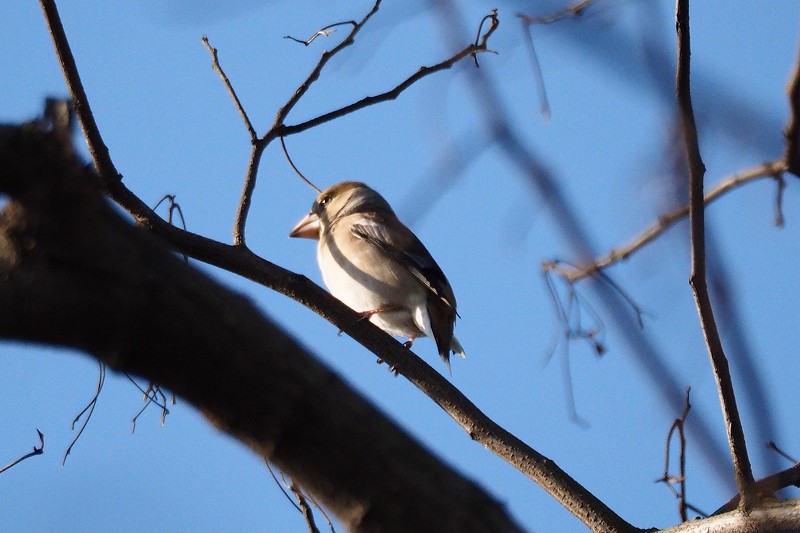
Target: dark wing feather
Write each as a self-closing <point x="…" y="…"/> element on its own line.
<point x="410" y="253"/>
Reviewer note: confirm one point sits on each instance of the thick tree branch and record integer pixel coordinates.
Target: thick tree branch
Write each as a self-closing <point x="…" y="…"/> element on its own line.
<point x="697" y="279"/>
<point x="74" y="273"/>
<point x="768" y="486"/>
<point x="769" y="516"/>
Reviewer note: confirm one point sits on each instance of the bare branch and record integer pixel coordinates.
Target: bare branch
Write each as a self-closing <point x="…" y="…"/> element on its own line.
<point x="218" y="69"/>
<point x="574" y="10"/>
<point x="422" y="72"/>
<point x="88" y="410"/>
<point x="91" y="271"/>
<point x="481" y="38"/>
<point x="150" y="396"/>
<point x="305" y="509"/>
<point x="297" y="170"/>
<point x="36" y="451"/>
<point x="772" y="170"/>
<point x="279" y="129"/>
<point x="678" y="426"/>
<point x="774" y="447"/>
<point x="791" y="153"/>
<point x="323" y="32"/>
<point x="697" y="279"/>
<point x="283" y="112"/>
<point x="544" y="103"/>
<point x="97" y="148"/>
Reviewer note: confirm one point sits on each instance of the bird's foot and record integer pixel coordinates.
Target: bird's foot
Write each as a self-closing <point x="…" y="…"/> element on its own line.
<point x="392" y="368"/>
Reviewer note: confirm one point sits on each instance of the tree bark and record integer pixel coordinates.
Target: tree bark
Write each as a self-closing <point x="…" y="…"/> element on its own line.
<point x="74" y="273"/>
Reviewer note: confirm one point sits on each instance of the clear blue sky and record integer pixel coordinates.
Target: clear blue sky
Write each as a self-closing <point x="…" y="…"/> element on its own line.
<point x="171" y="129"/>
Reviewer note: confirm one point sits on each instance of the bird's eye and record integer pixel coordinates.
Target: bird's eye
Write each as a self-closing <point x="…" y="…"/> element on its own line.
<point x="325" y="199"/>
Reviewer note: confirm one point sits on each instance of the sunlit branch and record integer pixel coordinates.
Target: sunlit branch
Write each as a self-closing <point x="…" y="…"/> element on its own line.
<point x="771" y="170"/>
<point x="697" y="279"/>
<point x="218" y="69"/>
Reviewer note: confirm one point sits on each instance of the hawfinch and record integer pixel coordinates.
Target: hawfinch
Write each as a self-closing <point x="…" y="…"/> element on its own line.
<point x="373" y="263"/>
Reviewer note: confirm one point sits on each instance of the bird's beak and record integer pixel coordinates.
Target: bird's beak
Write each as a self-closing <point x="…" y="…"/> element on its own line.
<point x="308" y="228"/>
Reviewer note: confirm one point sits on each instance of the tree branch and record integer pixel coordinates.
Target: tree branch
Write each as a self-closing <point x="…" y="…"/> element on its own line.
<point x="261" y="144"/>
<point x="36" y="451"/>
<point x="697" y="279"/>
<point x="231" y="91"/>
<point x="771" y="169"/>
<point x="74" y="273"/>
<point x="97" y="148"/>
<point x="792" y="132"/>
<point x="238" y="259"/>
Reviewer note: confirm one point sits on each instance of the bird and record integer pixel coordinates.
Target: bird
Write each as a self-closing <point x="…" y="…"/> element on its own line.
<point x="376" y="266"/>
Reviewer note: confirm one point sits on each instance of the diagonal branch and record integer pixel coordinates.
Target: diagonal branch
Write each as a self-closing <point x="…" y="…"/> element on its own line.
<point x="97" y="148"/>
<point x="261" y="144"/>
<point x="36" y="451"/>
<point x="392" y="94"/>
<point x="771" y="169"/>
<point x="697" y="279"/>
<point x="218" y="69"/>
<point x="283" y="112"/>
<point x="159" y="318"/>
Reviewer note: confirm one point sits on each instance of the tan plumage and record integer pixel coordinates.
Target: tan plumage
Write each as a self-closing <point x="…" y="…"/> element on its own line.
<point x="377" y="266"/>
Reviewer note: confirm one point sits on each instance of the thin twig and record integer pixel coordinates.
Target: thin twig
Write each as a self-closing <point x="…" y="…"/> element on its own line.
<point x="527" y="23"/>
<point x="301" y="506"/>
<point x="771" y="170"/>
<point x="774" y="447"/>
<point x="171" y="210"/>
<point x="36" y="451"/>
<point x="541" y="88"/>
<point x="697" y="279"/>
<point x="678" y="426"/>
<point x="283" y="112"/>
<point x="218" y="69"/>
<point x="280" y="129"/>
<point x="323" y="32"/>
<point x="574" y="10"/>
<point x="305" y="509"/>
<point x="88" y="410"/>
<point x="281" y="486"/>
<point x="294" y="167"/>
<point x="481" y="38"/>
<point x="150" y="397"/>
<point x="389" y="95"/>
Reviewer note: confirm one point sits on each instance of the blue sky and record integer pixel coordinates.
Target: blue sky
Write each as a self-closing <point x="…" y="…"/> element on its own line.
<point x="171" y="128"/>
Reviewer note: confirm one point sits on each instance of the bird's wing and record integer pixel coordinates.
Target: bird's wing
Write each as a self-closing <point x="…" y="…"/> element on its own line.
<point x="402" y="246"/>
